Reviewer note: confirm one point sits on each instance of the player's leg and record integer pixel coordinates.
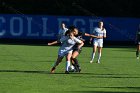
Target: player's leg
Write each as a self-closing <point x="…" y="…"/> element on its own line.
<point x="75" y="62"/>
<point x="68" y="58"/>
<point x="59" y="59"/>
<point x="100" y="45"/>
<point x="137" y="52"/>
<point x="93" y="52"/>
<point x="99" y="54"/>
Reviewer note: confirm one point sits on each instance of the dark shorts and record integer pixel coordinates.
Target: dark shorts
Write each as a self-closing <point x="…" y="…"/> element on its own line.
<point x="78" y="50"/>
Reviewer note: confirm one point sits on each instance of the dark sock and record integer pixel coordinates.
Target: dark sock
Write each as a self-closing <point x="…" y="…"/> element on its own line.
<point x="75" y="61"/>
<point x="76" y="65"/>
<point x="137" y="53"/>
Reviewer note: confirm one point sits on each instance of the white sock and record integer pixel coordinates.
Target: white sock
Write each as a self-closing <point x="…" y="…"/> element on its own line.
<point x="67" y="65"/>
<point x="99" y="56"/>
<point x="93" y="55"/>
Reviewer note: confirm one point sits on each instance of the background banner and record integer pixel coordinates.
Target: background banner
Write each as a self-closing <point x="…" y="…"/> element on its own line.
<point x="18" y="26"/>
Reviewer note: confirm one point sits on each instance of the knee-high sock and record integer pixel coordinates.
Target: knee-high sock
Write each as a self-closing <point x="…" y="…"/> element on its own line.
<point x="93" y="55"/>
<point x="67" y="65"/>
<point x="56" y="64"/>
<point x="76" y="64"/>
<point x="58" y="61"/>
<point x="75" y="61"/>
<point x="137" y="53"/>
<point x="99" y="56"/>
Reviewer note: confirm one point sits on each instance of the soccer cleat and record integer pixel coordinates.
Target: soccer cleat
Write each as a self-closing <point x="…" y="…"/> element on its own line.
<point x="137" y="57"/>
<point x="137" y="54"/>
<point x="98" y="62"/>
<point x="79" y="69"/>
<point x="52" y="70"/>
<point x="66" y="72"/>
<point x="91" y="61"/>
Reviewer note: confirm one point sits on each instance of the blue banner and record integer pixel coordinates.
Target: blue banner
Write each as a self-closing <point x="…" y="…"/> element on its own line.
<point x="20" y="26"/>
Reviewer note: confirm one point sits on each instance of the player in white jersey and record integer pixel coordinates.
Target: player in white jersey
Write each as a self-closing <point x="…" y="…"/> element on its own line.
<point x="98" y="42"/>
<point x="66" y="49"/>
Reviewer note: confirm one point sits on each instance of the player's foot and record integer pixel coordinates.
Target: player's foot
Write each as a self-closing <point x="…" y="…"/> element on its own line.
<point x="98" y="62"/>
<point x="80" y="70"/>
<point x="91" y="61"/>
<point x="52" y="70"/>
<point x="137" y="57"/>
<point x="66" y="72"/>
<point x="72" y="70"/>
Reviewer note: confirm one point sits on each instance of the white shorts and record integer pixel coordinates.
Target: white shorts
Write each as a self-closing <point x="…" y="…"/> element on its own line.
<point x="64" y="52"/>
<point x="99" y="44"/>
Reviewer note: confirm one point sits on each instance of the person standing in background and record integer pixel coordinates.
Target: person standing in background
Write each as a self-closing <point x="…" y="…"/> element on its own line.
<point x="138" y="42"/>
<point x="98" y="42"/>
<point x="62" y="31"/>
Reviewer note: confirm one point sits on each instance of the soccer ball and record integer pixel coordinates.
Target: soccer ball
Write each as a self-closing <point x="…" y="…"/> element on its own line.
<point x="71" y="68"/>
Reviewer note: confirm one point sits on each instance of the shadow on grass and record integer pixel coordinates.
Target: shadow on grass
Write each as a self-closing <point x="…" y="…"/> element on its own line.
<point x="93" y="75"/>
<point x="117" y="87"/>
<point x="83" y="75"/>
<point x="37" y="72"/>
<point x="22" y="71"/>
<point x="101" y="92"/>
<point x="114" y="87"/>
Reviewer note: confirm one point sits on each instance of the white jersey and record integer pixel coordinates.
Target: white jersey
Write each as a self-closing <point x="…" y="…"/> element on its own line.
<point x="62" y="32"/>
<point x="99" y="32"/>
<point x="67" y="45"/>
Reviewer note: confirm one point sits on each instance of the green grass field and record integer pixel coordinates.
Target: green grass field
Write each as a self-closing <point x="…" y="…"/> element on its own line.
<point x="26" y="69"/>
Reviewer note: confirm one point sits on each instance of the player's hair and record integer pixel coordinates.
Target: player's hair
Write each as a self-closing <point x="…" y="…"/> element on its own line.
<point x="103" y="27"/>
<point x="72" y="27"/>
<point x="70" y="30"/>
<point x="67" y="33"/>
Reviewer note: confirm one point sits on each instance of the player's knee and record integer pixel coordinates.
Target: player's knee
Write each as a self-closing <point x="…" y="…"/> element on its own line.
<point x="73" y="57"/>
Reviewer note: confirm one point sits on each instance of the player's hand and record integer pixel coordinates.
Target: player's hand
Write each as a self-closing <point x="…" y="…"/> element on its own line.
<point x="99" y="37"/>
<point x="49" y="44"/>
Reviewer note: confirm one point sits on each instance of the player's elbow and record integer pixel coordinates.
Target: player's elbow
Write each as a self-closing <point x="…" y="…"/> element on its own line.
<point x="82" y="43"/>
<point x="104" y="36"/>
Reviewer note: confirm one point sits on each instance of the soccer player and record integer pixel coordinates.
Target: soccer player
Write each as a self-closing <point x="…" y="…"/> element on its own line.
<point x="138" y="42"/>
<point x="77" y="51"/>
<point x="66" y="49"/>
<point x="62" y="31"/>
<point x="98" y="42"/>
